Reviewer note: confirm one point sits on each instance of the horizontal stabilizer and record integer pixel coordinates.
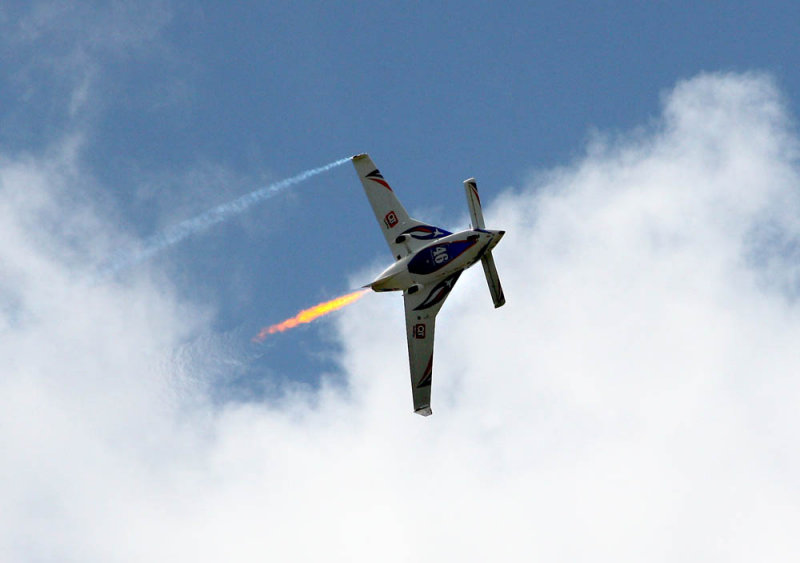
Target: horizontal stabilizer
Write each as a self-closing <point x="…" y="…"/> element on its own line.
<point x="476" y="215"/>
<point x="493" y="280"/>
<point x="474" y="202"/>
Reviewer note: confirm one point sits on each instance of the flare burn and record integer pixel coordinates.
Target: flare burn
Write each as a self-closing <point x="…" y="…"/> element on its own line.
<point x="310" y="314"/>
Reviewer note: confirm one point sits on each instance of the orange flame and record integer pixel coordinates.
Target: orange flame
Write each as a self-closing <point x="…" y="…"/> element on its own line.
<point x="308" y="315"/>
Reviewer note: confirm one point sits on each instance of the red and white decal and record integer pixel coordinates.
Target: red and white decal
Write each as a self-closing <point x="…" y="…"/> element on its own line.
<point x="419" y="331"/>
<point x="427" y="375"/>
<point x="474" y="187"/>
<point x="377" y="177"/>
<point x="390" y="220"/>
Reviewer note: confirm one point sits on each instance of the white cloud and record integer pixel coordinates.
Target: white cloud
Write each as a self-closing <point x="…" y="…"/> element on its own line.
<point x="635" y="400"/>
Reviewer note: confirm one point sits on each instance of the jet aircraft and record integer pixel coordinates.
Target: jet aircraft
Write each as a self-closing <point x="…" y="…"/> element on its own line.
<point x="428" y="262"/>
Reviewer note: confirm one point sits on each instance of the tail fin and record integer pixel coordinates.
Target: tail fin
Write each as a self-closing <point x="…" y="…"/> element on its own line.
<point x="474" y="202"/>
<point x="489" y="269"/>
<point x="493" y="280"/>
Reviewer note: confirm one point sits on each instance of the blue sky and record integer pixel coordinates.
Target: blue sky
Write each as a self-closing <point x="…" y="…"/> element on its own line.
<point x="189" y="105"/>
<point x="645" y="153"/>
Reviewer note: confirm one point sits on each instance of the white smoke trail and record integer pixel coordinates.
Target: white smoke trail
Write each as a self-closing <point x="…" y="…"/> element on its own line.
<point x="177" y="233"/>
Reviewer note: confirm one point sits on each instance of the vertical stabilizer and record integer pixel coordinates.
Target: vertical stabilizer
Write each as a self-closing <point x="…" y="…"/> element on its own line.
<point x="474" y="202"/>
<point x="498" y="297"/>
<point x="489" y="269"/>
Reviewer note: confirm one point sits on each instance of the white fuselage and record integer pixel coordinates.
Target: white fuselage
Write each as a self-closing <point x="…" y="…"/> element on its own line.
<point x="437" y="260"/>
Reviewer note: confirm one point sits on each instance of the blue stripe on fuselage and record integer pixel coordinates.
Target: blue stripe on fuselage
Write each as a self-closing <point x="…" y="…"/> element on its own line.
<point x="436" y="257"/>
<point x="426" y="232"/>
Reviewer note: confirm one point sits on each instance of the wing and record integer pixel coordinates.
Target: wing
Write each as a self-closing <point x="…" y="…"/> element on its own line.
<point x="403" y="234"/>
<point x="421" y="309"/>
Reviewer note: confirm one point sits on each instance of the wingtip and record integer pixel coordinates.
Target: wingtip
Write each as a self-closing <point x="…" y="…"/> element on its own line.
<point x="359" y="156"/>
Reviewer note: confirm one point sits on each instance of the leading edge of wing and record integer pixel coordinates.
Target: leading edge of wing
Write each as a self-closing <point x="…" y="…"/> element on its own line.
<point x="403" y="234"/>
<point x="420" y="331"/>
<point x="421" y="308"/>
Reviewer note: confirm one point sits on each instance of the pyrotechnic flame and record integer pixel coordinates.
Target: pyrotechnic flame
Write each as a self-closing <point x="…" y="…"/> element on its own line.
<point x="308" y="315"/>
